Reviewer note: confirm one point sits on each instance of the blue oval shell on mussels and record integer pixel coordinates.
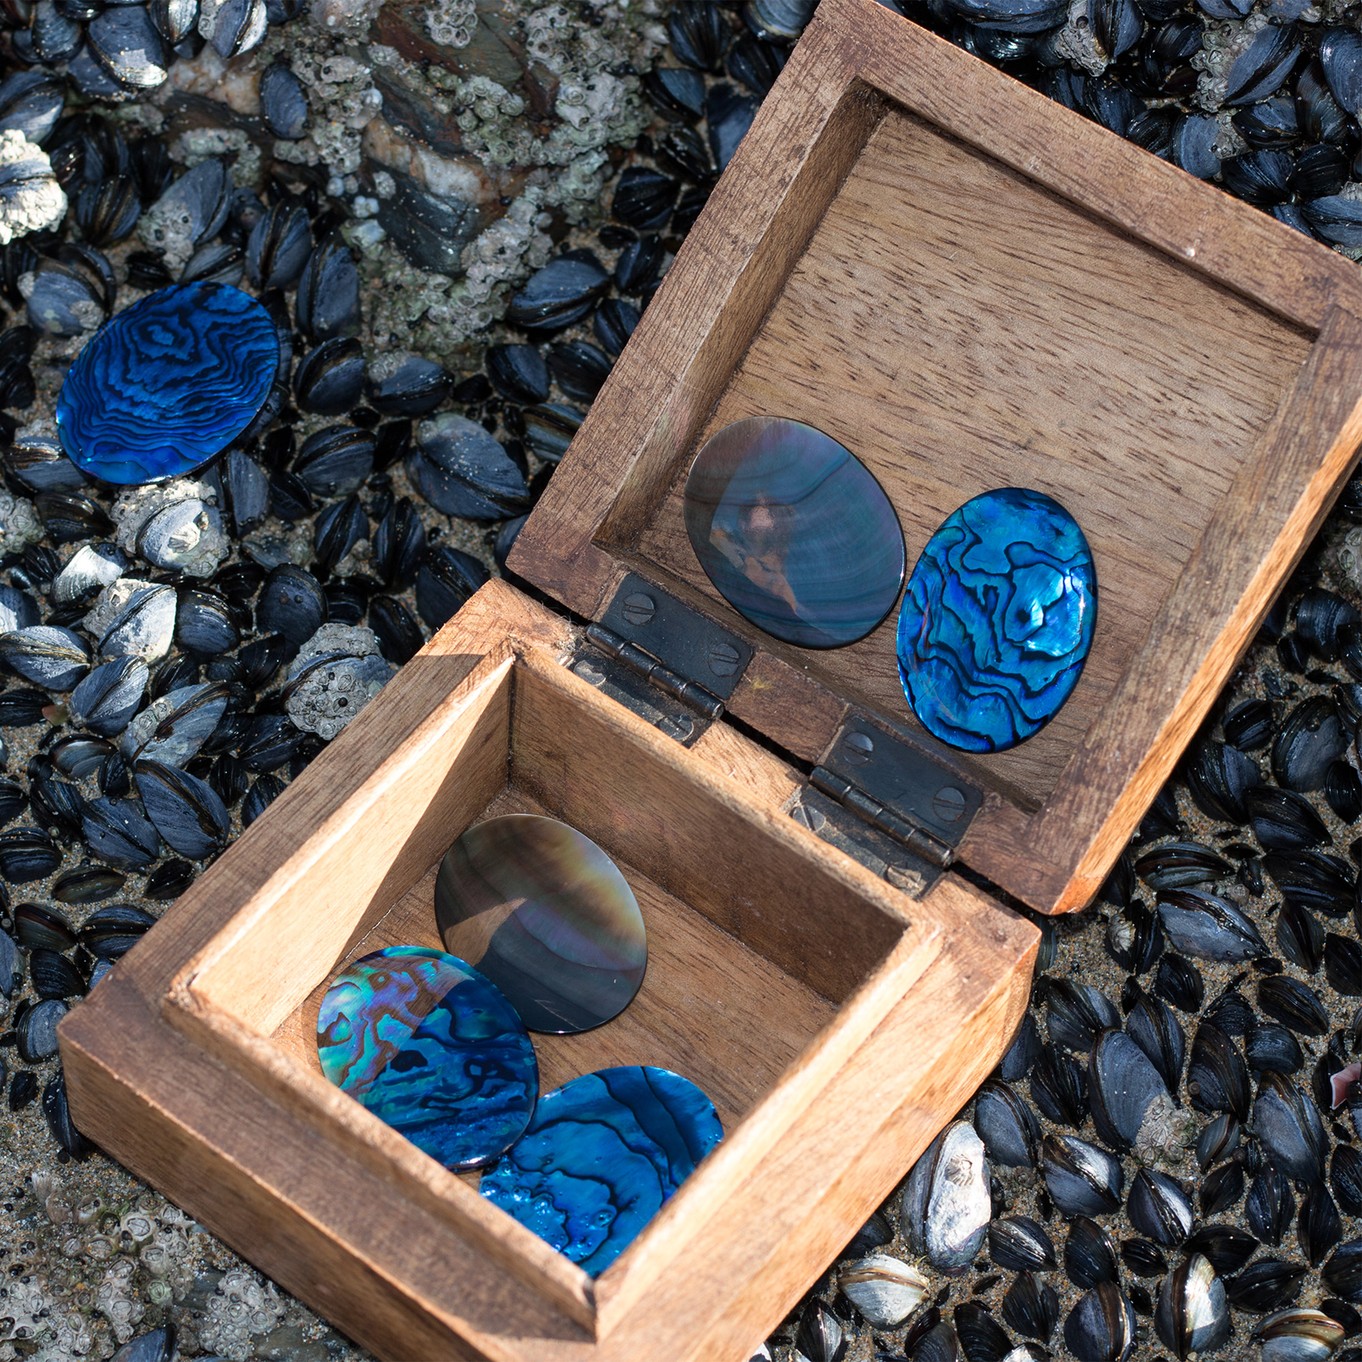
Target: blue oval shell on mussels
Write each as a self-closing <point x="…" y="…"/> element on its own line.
<point x="168" y="383"/>
<point x="997" y="620"/>
<point x="794" y="532"/>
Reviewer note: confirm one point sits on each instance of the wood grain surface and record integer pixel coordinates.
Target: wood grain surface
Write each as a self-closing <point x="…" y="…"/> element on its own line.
<point x="997" y="337"/>
<point x="973" y="287"/>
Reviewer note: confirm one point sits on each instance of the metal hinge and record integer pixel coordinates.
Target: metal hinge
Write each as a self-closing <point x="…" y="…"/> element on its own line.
<point x="666" y="661"/>
<point x="890" y="805"/>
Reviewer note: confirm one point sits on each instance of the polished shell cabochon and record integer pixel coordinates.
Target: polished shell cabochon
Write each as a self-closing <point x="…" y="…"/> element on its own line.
<point x="432" y="1048"/>
<point x="546" y="915"/>
<point x="794" y="532"/>
<point x="602" y="1156"/>
<point x="997" y="620"/>
<point x="167" y="384"/>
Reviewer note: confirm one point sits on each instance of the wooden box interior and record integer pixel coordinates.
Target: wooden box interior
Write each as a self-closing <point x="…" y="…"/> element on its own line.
<point x="964" y="312"/>
<point x="768" y="963"/>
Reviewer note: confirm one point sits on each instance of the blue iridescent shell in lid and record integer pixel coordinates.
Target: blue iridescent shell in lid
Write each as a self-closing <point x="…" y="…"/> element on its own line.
<point x="167" y="384"/>
<point x="601" y="1157"/>
<point x="997" y="620"/>
<point x="431" y="1047"/>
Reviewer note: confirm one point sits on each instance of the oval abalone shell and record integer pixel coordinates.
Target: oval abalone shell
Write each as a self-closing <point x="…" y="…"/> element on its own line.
<point x="168" y="383"/>
<point x="601" y="1157"/>
<point x="997" y="620"/>
<point x="794" y="532"/>
<point x="546" y="915"/>
<point x="428" y="1045"/>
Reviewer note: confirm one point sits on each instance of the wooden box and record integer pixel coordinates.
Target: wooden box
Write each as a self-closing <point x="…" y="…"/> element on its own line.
<point x="971" y="288"/>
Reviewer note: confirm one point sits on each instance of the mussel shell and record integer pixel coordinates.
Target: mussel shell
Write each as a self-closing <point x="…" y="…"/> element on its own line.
<point x="53" y="975"/>
<point x="283" y="102"/>
<point x="1019" y="1244"/>
<point x="1101" y="1326"/>
<point x="117" y="831"/>
<point x="884" y="1290"/>
<point x="519" y="372"/>
<point x="58" y="1114"/>
<point x="187" y="812"/>
<point x="1193" y="1313"/>
<point x="462" y="469"/>
<point x="1288" y="1126"/>
<point x="1124" y="1088"/>
<point x="1082" y="1179"/>
<point x="1270" y="1205"/>
<point x="1208" y="926"/>
<point x="1007" y="1126"/>
<point x="35" y="1029"/>
<point x="328" y="291"/>
<point x="558" y="294"/>
<point x="27" y="854"/>
<point x="1159" y="1208"/>
<point x="1298" y="1335"/>
<point x="108" y="933"/>
<point x="1310" y="740"/>
<point x="946" y="1206"/>
<point x="1031" y="1306"/>
<point x="48" y="655"/>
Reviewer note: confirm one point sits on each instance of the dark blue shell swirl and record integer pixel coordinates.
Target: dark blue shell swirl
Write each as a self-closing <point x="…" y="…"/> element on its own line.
<point x="997" y="620"/>
<point x="794" y="532"/>
<point x="168" y="383"/>
<point x="431" y="1047"/>
<point x="601" y="1157"/>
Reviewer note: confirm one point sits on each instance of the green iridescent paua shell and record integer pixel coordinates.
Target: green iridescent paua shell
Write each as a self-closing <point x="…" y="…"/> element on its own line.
<point x="432" y="1048"/>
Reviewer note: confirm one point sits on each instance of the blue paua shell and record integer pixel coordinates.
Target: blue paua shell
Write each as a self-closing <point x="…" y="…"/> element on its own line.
<point x="428" y="1045"/>
<point x="794" y="532"/>
<point x="601" y="1157"/>
<point x="547" y="916"/>
<point x="168" y="383"/>
<point x="997" y="620"/>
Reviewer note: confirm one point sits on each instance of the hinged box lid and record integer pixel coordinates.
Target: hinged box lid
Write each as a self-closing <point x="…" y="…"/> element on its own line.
<point x="971" y="287"/>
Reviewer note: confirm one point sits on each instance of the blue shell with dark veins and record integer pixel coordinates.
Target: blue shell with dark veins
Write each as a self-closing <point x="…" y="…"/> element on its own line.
<point x="794" y="532"/>
<point x="168" y="383"/>
<point x="602" y="1156"/>
<point x="997" y="620"/>
<point x="432" y="1048"/>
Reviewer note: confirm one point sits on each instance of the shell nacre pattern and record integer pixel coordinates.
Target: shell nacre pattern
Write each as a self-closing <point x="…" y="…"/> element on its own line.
<point x="602" y="1156"/>
<point x="547" y="916"/>
<point x="794" y="532"/>
<point x="432" y="1048"/>
<point x="997" y="620"/>
<point x="167" y="384"/>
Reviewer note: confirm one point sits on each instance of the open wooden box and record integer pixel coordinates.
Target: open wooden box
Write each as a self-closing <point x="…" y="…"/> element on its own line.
<point x="970" y="288"/>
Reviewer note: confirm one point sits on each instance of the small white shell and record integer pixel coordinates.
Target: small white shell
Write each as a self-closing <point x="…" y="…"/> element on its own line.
<point x="885" y="1290"/>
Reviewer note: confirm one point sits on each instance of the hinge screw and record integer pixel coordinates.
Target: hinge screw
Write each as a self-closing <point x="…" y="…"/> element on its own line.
<point x="858" y="746"/>
<point x="723" y="659"/>
<point x="589" y="671"/>
<point x="948" y="804"/>
<point x="639" y="608"/>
